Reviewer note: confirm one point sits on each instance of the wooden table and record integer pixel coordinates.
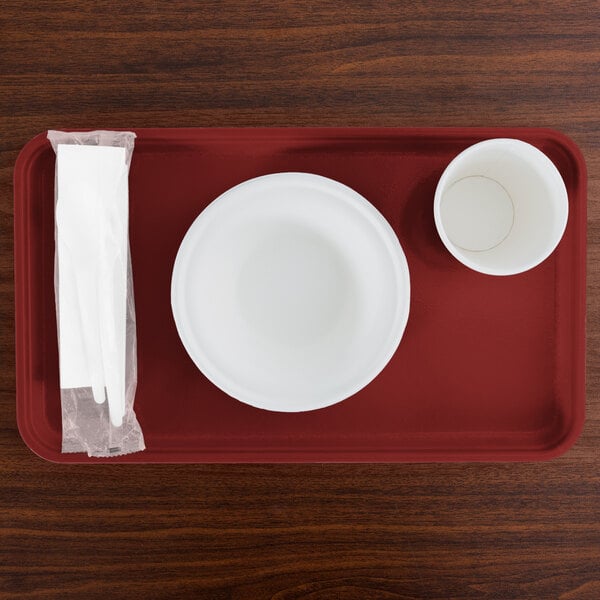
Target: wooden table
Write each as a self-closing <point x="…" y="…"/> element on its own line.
<point x="314" y="531"/>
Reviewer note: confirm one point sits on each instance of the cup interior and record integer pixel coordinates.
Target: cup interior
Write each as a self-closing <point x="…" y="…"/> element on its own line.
<point x="501" y="207"/>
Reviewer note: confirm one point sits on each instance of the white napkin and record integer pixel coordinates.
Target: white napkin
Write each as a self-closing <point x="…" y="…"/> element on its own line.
<point x="92" y="239"/>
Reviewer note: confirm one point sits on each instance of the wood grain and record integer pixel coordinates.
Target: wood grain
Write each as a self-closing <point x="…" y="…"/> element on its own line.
<point x="303" y="531"/>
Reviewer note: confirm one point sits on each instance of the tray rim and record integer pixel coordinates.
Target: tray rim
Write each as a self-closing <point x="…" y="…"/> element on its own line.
<point x="23" y="343"/>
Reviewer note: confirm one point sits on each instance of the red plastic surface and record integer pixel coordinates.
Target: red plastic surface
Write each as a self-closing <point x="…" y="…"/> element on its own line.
<point x="490" y="368"/>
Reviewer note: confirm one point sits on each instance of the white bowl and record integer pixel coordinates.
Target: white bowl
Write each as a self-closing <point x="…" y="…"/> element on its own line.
<point x="501" y="207"/>
<point x="290" y="292"/>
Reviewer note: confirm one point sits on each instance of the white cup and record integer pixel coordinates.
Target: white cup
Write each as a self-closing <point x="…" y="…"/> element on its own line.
<point x="501" y="207"/>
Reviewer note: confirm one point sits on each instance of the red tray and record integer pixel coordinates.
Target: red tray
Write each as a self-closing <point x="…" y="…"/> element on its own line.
<point x="490" y="368"/>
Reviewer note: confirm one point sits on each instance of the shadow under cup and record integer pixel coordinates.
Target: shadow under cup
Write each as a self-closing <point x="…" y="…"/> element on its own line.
<point x="501" y="207"/>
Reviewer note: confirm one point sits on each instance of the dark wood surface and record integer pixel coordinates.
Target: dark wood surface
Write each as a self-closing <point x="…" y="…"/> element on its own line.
<point x="314" y="531"/>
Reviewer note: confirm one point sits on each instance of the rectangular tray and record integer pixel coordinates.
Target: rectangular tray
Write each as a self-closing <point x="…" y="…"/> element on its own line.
<point x="489" y="368"/>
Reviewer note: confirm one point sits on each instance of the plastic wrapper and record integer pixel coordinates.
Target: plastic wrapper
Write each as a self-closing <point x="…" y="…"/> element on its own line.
<point x="95" y="306"/>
